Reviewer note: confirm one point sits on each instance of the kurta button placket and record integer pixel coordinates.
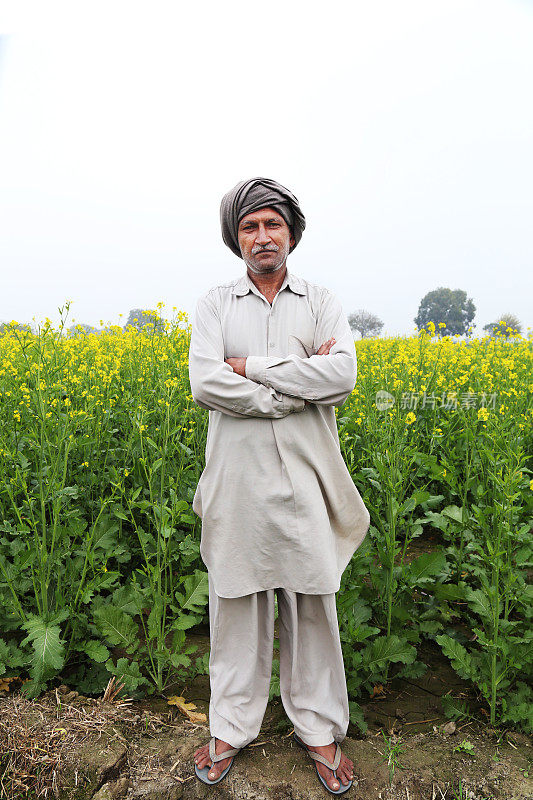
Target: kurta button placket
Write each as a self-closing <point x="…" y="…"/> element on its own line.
<point x="271" y="324"/>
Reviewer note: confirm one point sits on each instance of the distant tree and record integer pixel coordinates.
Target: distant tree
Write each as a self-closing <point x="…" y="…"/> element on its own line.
<point x="501" y="328"/>
<point x="365" y="323"/>
<point x="74" y="330"/>
<point x="450" y="306"/>
<point x="20" y="326"/>
<point x="139" y="319"/>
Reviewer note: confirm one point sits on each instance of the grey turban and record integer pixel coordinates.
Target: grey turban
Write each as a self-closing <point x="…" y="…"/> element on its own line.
<point x="251" y="195"/>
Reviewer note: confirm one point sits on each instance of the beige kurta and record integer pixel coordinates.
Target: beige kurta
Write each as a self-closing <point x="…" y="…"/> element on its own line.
<point x="278" y="505"/>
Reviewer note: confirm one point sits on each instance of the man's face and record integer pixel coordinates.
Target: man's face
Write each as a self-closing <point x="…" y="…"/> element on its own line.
<point x="265" y="240"/>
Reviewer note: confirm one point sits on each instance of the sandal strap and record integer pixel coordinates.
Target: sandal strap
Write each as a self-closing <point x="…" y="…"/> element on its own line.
<point x="221" y="756"/>
<point x="336" y="761"/>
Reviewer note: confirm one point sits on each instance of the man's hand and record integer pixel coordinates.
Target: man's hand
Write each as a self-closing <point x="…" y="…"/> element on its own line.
<point x="324" y="349"/>
<point x="237" y="364"/>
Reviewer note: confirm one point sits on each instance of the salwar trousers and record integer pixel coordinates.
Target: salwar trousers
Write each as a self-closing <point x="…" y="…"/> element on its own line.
<point x="312" y="677"/>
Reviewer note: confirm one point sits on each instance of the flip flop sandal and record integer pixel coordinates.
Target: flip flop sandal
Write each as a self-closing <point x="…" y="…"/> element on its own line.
<point x="203" y="773"/>
<point x="332" y="766"/>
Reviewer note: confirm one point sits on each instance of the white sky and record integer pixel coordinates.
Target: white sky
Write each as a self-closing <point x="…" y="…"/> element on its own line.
<point x="405" y="129"/>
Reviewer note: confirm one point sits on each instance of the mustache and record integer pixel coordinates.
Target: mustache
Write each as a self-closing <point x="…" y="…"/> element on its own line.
<point x="259" y="249"/>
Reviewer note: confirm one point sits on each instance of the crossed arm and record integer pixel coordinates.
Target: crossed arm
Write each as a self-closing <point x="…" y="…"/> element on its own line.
<point x="238" y="364"/>
<point x="271" y="386"/>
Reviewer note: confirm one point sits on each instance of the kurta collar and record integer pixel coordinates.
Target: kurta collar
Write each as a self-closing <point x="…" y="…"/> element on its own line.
<point x="244" y="284"/>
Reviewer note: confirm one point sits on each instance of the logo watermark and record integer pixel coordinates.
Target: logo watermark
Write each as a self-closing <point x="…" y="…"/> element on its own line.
<point x="384" y="400"/>
<point x="450" y="401"/>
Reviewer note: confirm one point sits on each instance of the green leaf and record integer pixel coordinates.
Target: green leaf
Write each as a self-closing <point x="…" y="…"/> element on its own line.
<point x="96" y="651"/>
<point x="189" y="547"/>
<point x="414" y="670"/>
<point x="105" y="534"/>
<point x="32" y="688"/>
<point x="196" y="592"/>
<point x="523" y="712"/>
<point x="462" y="662"/>
<point x="453" y="512"/>
<point x="356" y="716"/>
<point x="185" y="621"/>
<point x="179" y="660"/>
<point x="419" y="496"/>
<point x="48" y="647"/>
<point x="202" y="664"/>
<point x="11" y="656"/>
<point x="347" y="597"/>
<point x="125" y="598"/>
<point x="360" y="613"/>
<point x="127" y="672"/>
<point x="102" y="581"/>
<point x="449" y="591"/>
<point x="388" y="648"/>
<point x="426" y="566"/>
<point x="430" y="626"/>
<point x="117" y="626"/>
<point x="68" y="491"/>
<point x="479" y="602"/>
<point x="454" y="707"/>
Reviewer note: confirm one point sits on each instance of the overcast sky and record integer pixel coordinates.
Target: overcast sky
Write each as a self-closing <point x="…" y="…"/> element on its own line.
<point x="405" y="129"/>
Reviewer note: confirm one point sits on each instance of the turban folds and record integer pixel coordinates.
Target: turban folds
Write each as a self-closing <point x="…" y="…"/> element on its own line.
<point x="251" y="195"/>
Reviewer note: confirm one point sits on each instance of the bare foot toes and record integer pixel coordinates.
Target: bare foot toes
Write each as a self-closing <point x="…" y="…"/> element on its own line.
<point x="203" y="759"/>
<point x="201" y="756"/>
<point x="344" y="771"/>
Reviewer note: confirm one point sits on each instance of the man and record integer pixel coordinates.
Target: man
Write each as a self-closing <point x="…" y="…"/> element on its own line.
<point x="271" y="355"/>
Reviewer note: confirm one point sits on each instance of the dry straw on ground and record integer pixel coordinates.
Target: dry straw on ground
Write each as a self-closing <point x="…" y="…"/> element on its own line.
<point x="38" y="736"/>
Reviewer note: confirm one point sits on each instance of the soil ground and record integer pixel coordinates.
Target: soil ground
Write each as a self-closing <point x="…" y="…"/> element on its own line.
<point x="108" y="751"/>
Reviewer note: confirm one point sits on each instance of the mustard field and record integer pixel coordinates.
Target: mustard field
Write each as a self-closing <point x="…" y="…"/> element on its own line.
<point x="101" y="448"/>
